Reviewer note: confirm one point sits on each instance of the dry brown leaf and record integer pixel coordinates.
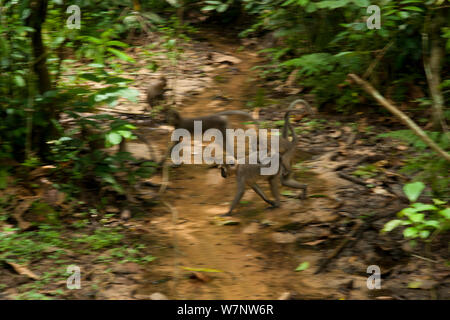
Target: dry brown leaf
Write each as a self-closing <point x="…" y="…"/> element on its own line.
<point x="336" y="134"/>
<point x="313" y="243"/>
<point x="199" y="276"/>
<point x="23" y="270"/>
<point x="41" y="171"/>
<point x="20" y="210"/>
<point x="221" y="58"/>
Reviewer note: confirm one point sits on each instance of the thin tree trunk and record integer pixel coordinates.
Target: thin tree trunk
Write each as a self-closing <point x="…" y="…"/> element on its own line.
<point x="399" y="114"/>
<point x="433" y="64"/>
<point x="44" y="132"/>
<point x="35" y="20"/>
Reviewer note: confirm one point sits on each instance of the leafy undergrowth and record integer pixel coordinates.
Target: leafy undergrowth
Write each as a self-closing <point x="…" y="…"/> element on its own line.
<point x="374" y="193"/>
<point x="35" y="263"/>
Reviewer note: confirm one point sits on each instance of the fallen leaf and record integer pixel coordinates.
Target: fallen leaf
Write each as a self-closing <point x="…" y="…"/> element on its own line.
<point x="285" y="296"/>
<point x="200" y="276"/>
<point x="313" y="243"/>
<point x="221" y="58"/>
<point x="336" y="134"/>
<point x="302" y="266"/>
<point x="283" y="237"/>
<point x="23" y="270"/>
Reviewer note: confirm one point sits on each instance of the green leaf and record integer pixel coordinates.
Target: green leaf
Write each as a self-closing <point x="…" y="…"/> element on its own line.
<point x="209" y="8"/>
<point x="117" y="44"/>
<point x="222" y="8"/>
<point x="423" y="207"/>
<point x="407" y="212"/>
<point x="302" y="266"/>
<point x="129" y="94"/>
<point x="445" y="213"/>
<point x="413" y="190"/>
<point x="125" y="134"/>
<point x="410" y="232"/>
<point x="411" y="8"/>
<point x="361" y="3"/>
<point x="391" y="225"/>
<point x="113" y="138"/>
<point x="424" y="234"/>
<point x="19" y="81"/>
<point x="432" y="223"/>
<point x="90" y="76"/>
<point x="311" y="7"/>
<point x="93" y="39"/>
<point x="288" y="2"/>
<point x="121" y="55"/>
<point x="439" y="202"/>
<point x="418" y="217"/>
<point x="414" y="284"/>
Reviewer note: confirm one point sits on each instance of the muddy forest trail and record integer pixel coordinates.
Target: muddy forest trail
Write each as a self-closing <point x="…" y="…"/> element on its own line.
<point x="257" y="256"/>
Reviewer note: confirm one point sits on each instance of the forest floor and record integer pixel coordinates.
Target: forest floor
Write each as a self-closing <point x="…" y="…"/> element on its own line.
<point x="254" y="254"/>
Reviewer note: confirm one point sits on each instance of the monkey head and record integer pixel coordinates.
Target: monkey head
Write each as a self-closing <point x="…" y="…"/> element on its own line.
<point x="163" y="80"/>
<point x="228" y="168"/>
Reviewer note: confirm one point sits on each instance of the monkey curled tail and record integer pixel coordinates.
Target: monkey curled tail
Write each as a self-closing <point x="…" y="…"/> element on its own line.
<point x="288" y="148"/>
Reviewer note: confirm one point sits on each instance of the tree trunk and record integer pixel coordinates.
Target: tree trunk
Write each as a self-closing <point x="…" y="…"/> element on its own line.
<point x="35" y="20"/>
<point x="45" y="131"/>
<point x="433" y="65"/>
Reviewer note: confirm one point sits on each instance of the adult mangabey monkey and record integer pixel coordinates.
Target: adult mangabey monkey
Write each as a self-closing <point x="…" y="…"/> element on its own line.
<point x="217" y="121"/>
<point x="155" y="91"/>
<point x="249" y="175"/>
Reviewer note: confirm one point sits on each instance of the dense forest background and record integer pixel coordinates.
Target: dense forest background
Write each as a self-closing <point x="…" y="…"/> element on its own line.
<point x="63" y="61"/>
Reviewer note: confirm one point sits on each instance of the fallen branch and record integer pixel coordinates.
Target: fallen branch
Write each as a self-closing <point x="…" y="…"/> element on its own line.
<point x="340" y="247"/>
<point x="401" y="115"/>
<point x="352" y="179"/>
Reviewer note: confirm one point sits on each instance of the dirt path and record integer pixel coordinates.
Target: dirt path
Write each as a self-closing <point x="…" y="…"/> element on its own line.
<point x="257" y="260"/>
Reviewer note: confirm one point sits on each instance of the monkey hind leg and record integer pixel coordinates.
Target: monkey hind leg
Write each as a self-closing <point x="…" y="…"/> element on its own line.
<point x="258" y="190"/>
<point x="289" y="182"/>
